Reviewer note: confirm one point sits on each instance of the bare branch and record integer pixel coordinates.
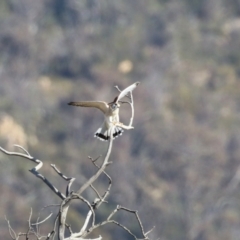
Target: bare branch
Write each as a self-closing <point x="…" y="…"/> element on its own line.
<point x="131" y="103"/>
<point x="50" y="185"/>
<point x="123" y="227"/>
<point x="89" y="205"/>
<point x="12" y="233"/>
<point x="50" y="235"/>
<point x="44" y="220"/>
<point x="60" y="225"/>
<point x="137" y="217"/>
<point x="53" y="232"/>
<point x="48" y="206"/>
<point x="16" y="145"/>
<point x="101" y="169"/>
<point x="113" y="212"/>
<point x="149" y="231"/>
<point x="68" y="190"/>
<point x="107" y="222"/>
<point x="69" y="229"/>
<point x="66" y="202"/>
<point x="27" y="156"/>
<point x="35" y="169"/>
<point x="84" y="227"/>
<point x="132" y="108"/>
<point x="80" y="238"/>
<point x="94" y="160"/>
<point x="63" y="216"/>
<point x="127" y="95"/>
<point x="110" y="183"/>
<point x="70" y="180"/>
<point x="60" y="173"/>
<point x="97" y="193"/>
<point x="29" y="224"/>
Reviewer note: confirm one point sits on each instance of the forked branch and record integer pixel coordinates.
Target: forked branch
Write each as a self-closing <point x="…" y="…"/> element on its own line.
<point x="60" y="225"/>
<point x="131" y="103"/>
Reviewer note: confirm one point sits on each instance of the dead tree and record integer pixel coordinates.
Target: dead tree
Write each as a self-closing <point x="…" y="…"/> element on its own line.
<point x="61" y="229"/>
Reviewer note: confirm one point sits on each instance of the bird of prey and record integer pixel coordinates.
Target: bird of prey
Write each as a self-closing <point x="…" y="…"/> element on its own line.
<point x="111" y="114"/>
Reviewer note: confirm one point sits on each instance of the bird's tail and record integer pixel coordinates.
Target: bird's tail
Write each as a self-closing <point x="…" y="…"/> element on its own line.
<point x="103" y="133"/>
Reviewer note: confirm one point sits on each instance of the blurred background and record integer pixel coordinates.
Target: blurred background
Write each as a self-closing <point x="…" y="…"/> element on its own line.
<point x="180" y="165"/>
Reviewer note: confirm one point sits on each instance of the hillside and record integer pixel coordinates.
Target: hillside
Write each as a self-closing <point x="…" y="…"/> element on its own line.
<point x="180" y="165"/>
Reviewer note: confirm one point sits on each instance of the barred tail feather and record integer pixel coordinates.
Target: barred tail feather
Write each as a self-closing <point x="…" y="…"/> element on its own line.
<point x="104" y="135"/>
<point x="117" y="132"/>
<point x="98" y="134"/>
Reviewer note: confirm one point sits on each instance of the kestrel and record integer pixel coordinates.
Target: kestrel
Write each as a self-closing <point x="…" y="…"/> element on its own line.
<point x="111" y="114"/>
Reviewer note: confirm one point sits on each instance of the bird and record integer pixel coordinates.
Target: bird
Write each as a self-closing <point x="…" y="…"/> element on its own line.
<point x="111" y="115"/>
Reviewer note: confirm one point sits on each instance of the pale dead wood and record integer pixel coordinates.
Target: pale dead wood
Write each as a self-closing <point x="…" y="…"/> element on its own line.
<point x="34" y="170"/>
<point x="131" y="103"/>
<point x="60" y="225"/>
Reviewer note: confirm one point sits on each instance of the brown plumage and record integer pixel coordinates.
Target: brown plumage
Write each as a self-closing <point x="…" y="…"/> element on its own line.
<point x="111" y="114"/>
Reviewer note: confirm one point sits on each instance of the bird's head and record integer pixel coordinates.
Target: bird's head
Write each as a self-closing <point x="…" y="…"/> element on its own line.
<point x="114" y="106"/>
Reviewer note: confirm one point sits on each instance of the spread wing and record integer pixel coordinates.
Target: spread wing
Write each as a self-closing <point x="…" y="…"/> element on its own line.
<point x="125" y="91"/>
<point x="103" y="106"/>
